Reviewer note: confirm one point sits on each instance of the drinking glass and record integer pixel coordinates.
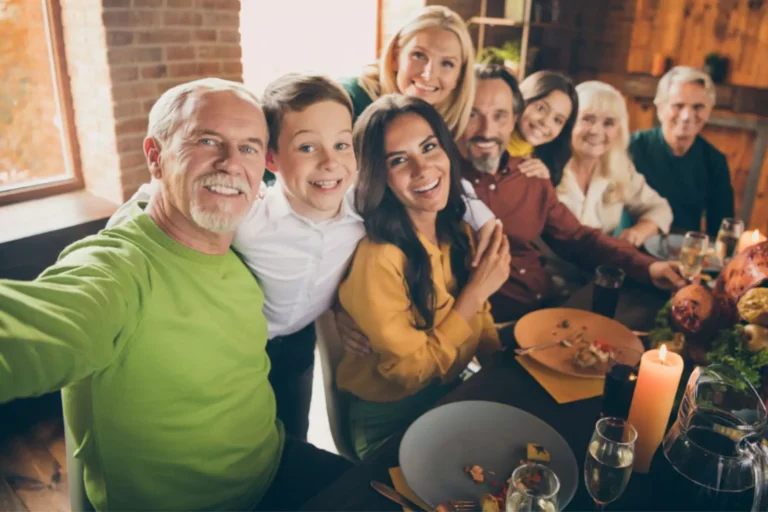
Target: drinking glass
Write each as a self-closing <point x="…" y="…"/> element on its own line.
<point x="606" y="290"/>
<point x="728" y="238"/>
<point x="533" y="488"/>
<point x="610" y="455"/>
<point x="620" y="380"/>
<point x="692" y="254"/>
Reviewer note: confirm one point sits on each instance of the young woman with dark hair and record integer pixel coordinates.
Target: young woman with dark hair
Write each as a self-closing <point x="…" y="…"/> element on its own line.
<point x="410" y="289"/>
<point x="545" y="126"/>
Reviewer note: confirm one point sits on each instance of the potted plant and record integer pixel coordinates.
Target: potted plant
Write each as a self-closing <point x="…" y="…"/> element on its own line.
<point x="716" y="65"/>
<point x="508" y="56"/>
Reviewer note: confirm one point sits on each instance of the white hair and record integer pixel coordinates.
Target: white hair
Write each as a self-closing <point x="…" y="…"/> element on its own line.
<point x="684" y="75"/>
<point x="602" y="99"/>
<point x="167" y="110"/>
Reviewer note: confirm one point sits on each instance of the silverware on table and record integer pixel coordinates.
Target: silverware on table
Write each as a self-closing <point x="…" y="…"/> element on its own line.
<point x="448" y="506"/>
<point x="560" y="343"/>
<point x="393" y="495"/>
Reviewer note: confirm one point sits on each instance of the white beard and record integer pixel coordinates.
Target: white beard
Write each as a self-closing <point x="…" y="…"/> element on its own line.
<point x="219" y="220"/>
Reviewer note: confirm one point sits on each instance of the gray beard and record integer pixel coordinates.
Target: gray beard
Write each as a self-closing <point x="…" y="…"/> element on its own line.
<point x="485" y="164"/>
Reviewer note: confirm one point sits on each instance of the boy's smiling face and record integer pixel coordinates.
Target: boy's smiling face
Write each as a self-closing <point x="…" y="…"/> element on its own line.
<point x="315" y="158"/>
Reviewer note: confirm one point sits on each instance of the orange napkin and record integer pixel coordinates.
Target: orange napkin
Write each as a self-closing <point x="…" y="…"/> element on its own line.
<point x="398" y="480"/>
<point x="563" y="388"/>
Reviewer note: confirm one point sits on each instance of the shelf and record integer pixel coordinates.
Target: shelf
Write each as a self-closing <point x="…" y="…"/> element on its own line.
<point x="480" y="20"/>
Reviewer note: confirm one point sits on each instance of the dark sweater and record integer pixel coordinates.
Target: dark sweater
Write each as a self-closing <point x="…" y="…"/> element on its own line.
<point x="695" y="184"/>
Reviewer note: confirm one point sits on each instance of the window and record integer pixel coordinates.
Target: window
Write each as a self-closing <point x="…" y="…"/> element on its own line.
<point x="37" y="143"/>
<point x="333" y="37"/>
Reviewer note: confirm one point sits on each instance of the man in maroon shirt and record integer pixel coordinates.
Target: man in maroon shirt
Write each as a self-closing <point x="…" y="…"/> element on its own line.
<point x="529" y="208"/>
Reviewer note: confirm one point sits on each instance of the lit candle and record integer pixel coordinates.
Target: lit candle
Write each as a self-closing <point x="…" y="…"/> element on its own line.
<point x="657" y="382"/>
<point x="748" y="239"/>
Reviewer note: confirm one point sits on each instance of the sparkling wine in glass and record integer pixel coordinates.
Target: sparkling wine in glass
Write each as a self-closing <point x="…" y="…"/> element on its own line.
<point x="608" y="464"/>
<point x="728" y="238"/>
<point x="692" y="254"/>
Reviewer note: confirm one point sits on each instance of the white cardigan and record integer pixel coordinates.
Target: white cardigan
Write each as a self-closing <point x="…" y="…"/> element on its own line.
<point x="595" y="208"/>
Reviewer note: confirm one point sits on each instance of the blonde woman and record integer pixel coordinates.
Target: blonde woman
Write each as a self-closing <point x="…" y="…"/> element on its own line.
<point x="429" y="57"/>
<point x="600" y="182"/>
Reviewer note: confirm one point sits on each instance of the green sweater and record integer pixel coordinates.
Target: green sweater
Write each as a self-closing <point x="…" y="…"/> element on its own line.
<point x="694" y="183"/>
<point x="360" y="98"/>
<point x="161" y="353"/>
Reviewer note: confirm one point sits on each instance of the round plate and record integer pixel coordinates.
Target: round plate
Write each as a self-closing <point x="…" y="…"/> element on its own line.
<point x="654" y="247"/>
<point x="438" y="445"/>
<point x="546" y="326"/>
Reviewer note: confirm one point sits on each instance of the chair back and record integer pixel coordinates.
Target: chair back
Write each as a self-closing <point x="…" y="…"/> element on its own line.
<point x="78" y="499"/>
<point x="331" y="350"/>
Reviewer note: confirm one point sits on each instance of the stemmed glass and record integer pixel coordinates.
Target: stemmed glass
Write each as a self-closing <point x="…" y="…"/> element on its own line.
<point x="692" y="254"/>
<point x="728" y="238"/>
<point x="608" y="464"/>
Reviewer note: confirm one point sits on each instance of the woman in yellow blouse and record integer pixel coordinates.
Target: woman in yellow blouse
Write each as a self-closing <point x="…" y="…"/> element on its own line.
<point x="410" y="289"/>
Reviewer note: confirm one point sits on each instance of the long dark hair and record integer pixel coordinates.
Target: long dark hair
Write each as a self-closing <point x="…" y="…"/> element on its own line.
<point x="554" y="154"/>
<point x="386" y="219"/>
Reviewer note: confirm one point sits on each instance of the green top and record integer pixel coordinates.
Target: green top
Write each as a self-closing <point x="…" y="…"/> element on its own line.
<point x="694" y="183"/>
<point x="162" y="352"/>
<point x="360" y="98"/>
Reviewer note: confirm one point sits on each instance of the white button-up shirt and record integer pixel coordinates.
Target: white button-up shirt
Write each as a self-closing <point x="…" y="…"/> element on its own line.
<point x="299" y="263"/>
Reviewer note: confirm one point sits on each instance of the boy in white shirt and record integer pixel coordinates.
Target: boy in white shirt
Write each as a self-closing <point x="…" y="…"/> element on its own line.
<point x="299" y="238"/>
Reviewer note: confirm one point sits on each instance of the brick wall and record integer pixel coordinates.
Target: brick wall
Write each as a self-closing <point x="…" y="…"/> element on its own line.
<point x="122" y="55"/>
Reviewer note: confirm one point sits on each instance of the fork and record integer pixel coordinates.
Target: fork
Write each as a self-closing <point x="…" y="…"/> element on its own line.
<point x="562" y="343"/>
<point x="457" y="506"/>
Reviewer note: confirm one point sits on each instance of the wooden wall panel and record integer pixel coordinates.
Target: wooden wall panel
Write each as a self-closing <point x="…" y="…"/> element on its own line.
<point x="738" y="147"/>
<point x="759" y="219"/>
<point x="687" y="30"/>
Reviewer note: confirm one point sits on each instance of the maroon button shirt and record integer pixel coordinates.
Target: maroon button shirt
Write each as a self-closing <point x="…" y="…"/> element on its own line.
<point x="529" y="208"/>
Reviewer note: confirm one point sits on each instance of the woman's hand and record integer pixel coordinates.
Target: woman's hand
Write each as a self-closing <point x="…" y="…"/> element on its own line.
<point x="354" y="340"/>
<point x="640" y="232"/>
<point x="666" y="275"/>
<point x="487" y="277"/>
<point x="534" y="168"/>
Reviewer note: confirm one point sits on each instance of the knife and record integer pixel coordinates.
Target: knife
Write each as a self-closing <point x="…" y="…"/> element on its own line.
<point x="395" y="496"/>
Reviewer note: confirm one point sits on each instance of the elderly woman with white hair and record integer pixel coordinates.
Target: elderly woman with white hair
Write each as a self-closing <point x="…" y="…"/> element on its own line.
<point x="677" y="162"/>
<point x="600" y="182"/>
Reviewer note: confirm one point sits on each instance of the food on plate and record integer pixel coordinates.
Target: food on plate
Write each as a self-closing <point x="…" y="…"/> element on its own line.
<point x="591" y="353"/>
<point x="476" y="473"/>
<point x="490" y="503"/>
<point x="564" y="324"/>
<point x="537" y="453"/>
<point x="753" y="306"/>
<point x="757" y="337"/>
<point x="695" y="312"/>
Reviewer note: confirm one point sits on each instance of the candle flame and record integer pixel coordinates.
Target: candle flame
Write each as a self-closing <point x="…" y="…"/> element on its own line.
<point x="663" y="353"/>
<point x="755" y="236"/>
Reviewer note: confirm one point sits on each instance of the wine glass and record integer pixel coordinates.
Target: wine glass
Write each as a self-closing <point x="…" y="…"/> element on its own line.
<point x="728" y="238"/>
<point x="692" y="254"/>
<point x="533" y="488"/>
<point x="608" y="464"/>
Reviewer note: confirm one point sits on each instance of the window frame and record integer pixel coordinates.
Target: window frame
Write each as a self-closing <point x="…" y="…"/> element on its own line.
<point x="61" y="81"/>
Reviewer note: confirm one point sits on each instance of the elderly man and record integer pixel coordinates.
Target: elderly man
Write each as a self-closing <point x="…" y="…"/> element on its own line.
<point x="677" y="162"/>
<point x="154" y="330"/>
<point x="529" y="208"/>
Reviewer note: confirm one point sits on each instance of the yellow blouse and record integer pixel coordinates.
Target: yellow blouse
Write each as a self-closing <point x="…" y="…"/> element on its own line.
<point x="404" y="359"/>
<point x="518" y="146"/>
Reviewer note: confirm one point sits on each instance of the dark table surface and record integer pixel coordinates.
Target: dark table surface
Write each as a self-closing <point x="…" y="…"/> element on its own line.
<point x="505" y="381"/>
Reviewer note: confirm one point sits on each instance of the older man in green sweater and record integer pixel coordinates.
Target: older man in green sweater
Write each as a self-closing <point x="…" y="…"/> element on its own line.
<point x="154" y="330"/>
<point x="677" y="162"/>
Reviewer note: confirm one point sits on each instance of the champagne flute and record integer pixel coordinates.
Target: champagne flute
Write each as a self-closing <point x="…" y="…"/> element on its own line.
<point x="692" y="254"/>
<point x="610" y="455"/>
<point x="728" y="238"/>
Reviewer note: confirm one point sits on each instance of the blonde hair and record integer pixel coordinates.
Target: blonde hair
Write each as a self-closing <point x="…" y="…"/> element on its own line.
<point x="166" y="113"/>
<point x="684" y="75"/>
<point x="379" y="79"/>
<point x="599" y="98"/>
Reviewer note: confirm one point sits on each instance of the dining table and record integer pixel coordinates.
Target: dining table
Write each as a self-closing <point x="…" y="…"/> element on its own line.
<point x="502" y="379"/>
